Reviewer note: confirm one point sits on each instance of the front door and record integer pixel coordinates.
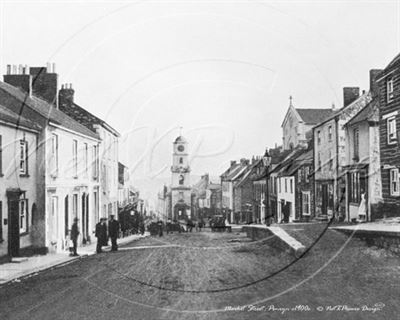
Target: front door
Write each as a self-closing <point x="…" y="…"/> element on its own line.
<point x="13" y="228"/>
<point x="325" y="199"/>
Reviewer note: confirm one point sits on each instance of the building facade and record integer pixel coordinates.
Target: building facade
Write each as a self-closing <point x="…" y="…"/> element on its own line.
<point x="298" y="123"/>
<point x="108" y="149"/>
<point x="181" y="192"/>
<point x="389" y="129"/>
<point x="20" y="225"/>
<point x="330" y="156"/>
<point x="363" y="169"/>
<point x="67" y="155"/>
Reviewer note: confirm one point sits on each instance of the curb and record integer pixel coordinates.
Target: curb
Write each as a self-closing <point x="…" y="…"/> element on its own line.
<point x="31" y="273"/>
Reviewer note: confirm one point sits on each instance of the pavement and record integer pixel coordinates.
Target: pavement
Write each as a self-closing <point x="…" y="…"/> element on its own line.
<point x="25" y="267"/>
<point x="385" y="226"/>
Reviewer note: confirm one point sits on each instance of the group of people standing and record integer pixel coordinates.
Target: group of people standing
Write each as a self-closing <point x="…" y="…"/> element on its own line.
<point x="102" y="233"/>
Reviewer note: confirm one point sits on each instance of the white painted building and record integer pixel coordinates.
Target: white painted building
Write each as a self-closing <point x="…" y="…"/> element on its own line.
<point x="286" y="196"/>
<point x="19" y="223"/>
<point x="67" y="155"/>
<point x="108" y="149"/>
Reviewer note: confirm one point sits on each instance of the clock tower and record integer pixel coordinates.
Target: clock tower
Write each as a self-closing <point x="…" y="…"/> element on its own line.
<point x="180" y="184"/>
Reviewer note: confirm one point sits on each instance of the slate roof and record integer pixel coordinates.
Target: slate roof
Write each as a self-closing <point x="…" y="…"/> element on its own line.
<point x="9" y="116"/>
<point x="301" y="160"/>
<point x="86" y="118"/>
<point x="285" y="163"/>
<point x="363" y="99"/>
<point x="245" y="177"/>
<point x="314" y="116"/>
<point x="16" y="99"/>
<point x="369" y="113"/>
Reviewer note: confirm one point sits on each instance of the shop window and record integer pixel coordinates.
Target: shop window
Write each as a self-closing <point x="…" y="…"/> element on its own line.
<point x="354" y="187"/>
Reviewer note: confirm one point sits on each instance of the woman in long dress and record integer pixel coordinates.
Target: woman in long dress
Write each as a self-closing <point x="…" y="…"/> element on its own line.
<point x="362" y="209"/>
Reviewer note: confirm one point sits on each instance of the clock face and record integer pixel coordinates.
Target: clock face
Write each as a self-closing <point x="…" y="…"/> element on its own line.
<point x="181" y="148"/>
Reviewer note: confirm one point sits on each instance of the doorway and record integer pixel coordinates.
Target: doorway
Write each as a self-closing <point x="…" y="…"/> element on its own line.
<point x="13" y="197"/>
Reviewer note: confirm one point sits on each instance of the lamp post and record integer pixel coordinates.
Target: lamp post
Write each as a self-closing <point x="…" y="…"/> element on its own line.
<point x="267" y="162"/>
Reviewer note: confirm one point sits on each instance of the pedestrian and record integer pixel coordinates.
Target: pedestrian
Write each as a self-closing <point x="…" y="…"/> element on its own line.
<point x="74" y="236"/>
<point x="160" y="228"/>
<point x="141" y="227"/>
<point x="113" y="231"/>
<point x="189" y="225"/>
<point x="104" y="232"/>
<point x="101" y="235"/>
<point x="362" y="209"/>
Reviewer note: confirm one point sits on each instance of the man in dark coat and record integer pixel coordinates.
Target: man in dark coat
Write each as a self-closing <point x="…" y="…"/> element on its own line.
<point x="104" y="230"/>
<point x="160" y="228"/>
<point x="101" y="235"/>
<point x="74" y="236"/>
<point x="113" y="232"/>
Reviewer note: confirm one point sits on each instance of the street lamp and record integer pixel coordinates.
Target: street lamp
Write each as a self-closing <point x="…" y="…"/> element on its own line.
<point x="267" y="162"/>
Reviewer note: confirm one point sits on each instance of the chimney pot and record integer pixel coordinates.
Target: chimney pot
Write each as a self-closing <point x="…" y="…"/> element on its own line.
<point x="14" y="69"/>
<point x="9" y="69"/>
<point x="48" y="67"/>
<point x="54" y="68"/>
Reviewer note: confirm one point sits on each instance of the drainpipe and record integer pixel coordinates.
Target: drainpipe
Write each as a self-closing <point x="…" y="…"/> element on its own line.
<point x="335" y="198"/>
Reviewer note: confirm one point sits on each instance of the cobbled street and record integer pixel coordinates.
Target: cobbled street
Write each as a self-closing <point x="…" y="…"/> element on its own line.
<point x="200" y="275"/>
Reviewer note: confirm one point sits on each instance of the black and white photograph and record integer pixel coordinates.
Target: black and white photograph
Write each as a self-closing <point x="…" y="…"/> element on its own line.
<point x="199" y="159"/>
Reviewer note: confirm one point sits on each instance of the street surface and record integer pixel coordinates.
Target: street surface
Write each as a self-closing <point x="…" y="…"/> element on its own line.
<point x="204" y="275"/>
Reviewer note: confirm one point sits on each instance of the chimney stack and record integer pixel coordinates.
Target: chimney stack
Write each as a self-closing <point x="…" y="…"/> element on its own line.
<point x="233" y="162"/>
<point x="373" y="85"/>
<point x="18" y="79"/>
<point x="65" y="97"/>
<point x="350" y="94"/>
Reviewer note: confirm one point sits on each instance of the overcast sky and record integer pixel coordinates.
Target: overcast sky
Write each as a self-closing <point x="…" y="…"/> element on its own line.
<point x="223" y="70"/>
